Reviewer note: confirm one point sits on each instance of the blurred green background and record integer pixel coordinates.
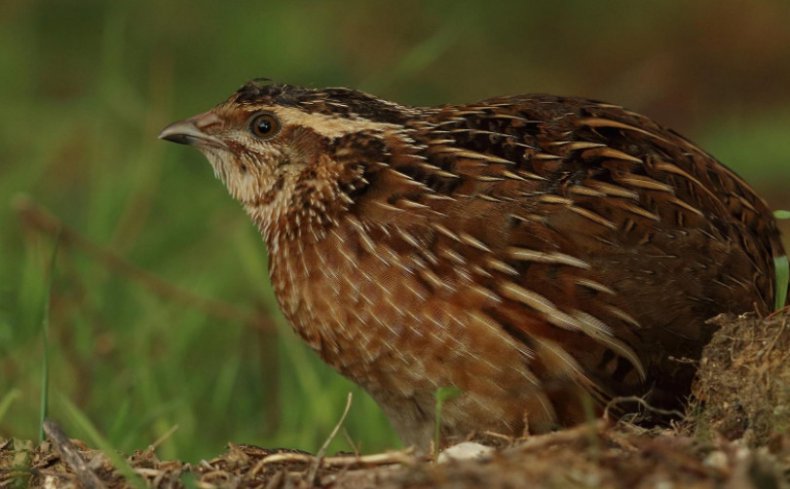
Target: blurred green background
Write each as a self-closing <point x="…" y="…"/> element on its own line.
<point x="162" y="313"/>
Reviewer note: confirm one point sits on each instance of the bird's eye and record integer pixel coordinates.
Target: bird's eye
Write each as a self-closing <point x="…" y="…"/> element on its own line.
<point x="264" y="125"/>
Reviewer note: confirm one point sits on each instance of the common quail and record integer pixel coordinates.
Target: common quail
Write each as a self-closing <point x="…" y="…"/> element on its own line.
<point x="541" y="254"/>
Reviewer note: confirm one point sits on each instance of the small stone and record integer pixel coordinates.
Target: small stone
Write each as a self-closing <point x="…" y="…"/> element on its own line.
<point x="467" y="450"/>
<point x="716" y="460"/>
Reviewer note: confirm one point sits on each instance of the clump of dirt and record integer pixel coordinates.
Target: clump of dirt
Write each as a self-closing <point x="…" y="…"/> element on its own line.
<point x="734" y="436"/>
<point x="742" y="390"/>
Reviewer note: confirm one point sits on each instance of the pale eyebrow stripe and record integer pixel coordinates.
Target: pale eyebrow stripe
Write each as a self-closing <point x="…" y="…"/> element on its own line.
<point x="330" y="126"/>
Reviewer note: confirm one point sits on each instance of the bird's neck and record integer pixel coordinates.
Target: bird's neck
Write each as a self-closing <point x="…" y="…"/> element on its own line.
<point x="312" y="278"/>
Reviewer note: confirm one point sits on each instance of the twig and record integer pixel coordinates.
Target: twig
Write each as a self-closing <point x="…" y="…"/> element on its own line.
<point x="779" y="312"/>
<point x="68" y="452"/>
<point x="402" y="457"/>
<point x="36" y="217"/>
<point x="774" y="340"/>
<point x="276" y="480"/>
<point x="153" y="446"/>
<point x="619" y="400"/>
<point x="313" y="470"/>
<point x="505" y="438"/>
<point x="540" y="441"/>
<point x="354" y="447"/>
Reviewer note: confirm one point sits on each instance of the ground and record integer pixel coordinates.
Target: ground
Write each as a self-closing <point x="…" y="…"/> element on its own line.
<point x="734" y="435"/>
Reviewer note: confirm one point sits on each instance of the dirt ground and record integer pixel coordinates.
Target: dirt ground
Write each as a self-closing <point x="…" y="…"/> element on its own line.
<point x="734" y="435"/>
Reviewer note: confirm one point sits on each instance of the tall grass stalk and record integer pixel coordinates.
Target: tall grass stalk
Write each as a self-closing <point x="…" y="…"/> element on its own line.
<point x="8" y="400"/>
<point x="44" y="408"/>
<point x="782" y="268"/>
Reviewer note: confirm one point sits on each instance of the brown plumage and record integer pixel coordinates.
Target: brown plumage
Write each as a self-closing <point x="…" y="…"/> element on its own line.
<point x="542" y="254"/>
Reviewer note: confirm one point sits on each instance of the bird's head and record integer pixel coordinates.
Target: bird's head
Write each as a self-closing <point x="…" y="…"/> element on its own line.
<point x="291" y="155"/>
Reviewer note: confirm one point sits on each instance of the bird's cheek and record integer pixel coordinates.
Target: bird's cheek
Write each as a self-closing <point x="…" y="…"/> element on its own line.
<point x="244" y="183"/>
<point x="253" y="181"/>
<point x="219" y="163"/>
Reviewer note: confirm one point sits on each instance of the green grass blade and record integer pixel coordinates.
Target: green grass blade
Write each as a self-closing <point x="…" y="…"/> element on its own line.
<point x="118" y="461"/>
<point x="7" y="401"/>
<point x="442" y="394"/>
<point x="44" y="408"/>
<point x="189" y="479"/>
<point x="782" y="268"/>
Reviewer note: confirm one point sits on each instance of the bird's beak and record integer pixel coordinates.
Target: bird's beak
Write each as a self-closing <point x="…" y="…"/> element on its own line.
<point x="189" y="132"/>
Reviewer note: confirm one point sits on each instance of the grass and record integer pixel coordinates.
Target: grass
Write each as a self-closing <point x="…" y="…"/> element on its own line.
<point x="7" y="400"/>
<point x="782" y="279"/>
<point x="134" y="362"/>
<point x="91" y="84"/>
<point x="44" y="408"/>
<point x="442" y="395"/>
<point x="782" y="267"/>
<point x="92" y="435"/>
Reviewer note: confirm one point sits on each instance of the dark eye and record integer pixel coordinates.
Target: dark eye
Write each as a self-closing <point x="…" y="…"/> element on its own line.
<point x="264" y="125"/>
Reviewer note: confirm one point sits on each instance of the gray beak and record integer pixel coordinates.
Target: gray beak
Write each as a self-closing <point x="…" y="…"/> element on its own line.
<point x="182" y="132"/>
<point x="188" y="132"/>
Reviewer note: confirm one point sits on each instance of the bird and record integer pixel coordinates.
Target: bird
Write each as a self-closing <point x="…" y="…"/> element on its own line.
<point x="539" y="255"/>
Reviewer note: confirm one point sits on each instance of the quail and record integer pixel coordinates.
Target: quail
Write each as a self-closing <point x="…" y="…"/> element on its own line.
<point x="540" y="254"/>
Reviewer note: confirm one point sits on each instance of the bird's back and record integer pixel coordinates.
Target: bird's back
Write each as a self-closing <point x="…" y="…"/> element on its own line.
<point x="583" y="242"/>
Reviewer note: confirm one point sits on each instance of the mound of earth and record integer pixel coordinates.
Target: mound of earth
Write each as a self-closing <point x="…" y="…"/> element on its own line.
<point x="734" y="435"/>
